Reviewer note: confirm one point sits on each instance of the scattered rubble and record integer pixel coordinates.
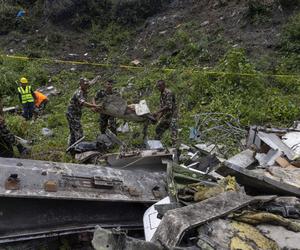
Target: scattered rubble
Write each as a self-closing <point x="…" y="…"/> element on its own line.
<point x="270" y="165"/>
<point x="205" y="201"/>
<point x="49" y="90"/>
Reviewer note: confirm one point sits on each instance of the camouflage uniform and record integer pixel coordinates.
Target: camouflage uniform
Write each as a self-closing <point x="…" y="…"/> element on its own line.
<point x="169" y="117"/>
<point x="7" y="141"/>
<point x="74" y="113"/>
<point x="106" y="120"/>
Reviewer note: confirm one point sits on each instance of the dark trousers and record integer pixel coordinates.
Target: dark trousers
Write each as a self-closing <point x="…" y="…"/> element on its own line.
<point x="76" y="131"/>
<point x="164" y="124"/>
<point x="28" y="110"/>
<point x="6" y="150"/>
<point x="107" y="121"/>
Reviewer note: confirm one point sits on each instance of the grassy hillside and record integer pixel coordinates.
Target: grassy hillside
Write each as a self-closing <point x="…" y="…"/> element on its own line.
<point x="174" y="43"/>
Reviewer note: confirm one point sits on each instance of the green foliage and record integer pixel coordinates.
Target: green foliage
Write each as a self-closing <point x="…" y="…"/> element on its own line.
<point x="131" y="12"/>
<point x="8" y="14"/>
<point x="290" y="46"/>
<point x="246" y="95"/>
<point x="289" y="3"/>
<point x="12" y="70"/>
<point x="238" y="87"/>
<point x="258" y="9"/>
<point x="184" y="48"/>
<point x="111" y="36"/>
<point x="290" y="39"/>
<point x="56" y="120"/>
<point x="18" y="125"/>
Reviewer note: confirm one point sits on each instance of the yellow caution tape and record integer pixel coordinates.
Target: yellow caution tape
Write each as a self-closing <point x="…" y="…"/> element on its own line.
<point x="191" y="70"/>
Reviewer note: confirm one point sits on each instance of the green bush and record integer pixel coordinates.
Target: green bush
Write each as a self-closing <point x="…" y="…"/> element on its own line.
<point x="8" y="14"/>
<point x="259" y="11"/>
<point x="18" y="125"/>
<point x="290" y="37"/>
<point x="56" y="120"/>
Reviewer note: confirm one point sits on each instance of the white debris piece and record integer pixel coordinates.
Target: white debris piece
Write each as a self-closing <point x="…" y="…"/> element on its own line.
<point x="142" y="108"/>
<point x="47" y="132"/>
<point x="274" y="142"/>
<point x="292" y="139"/>
<point x="151" y="222"/>
<point x="136" y="62"/>
<point x="124" y="128"/>
<point x="244" y="159"/>
<point x="154" y="144"/>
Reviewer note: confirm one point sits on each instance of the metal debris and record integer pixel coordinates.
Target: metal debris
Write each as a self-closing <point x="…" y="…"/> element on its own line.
<point x="154" y="144"/>
<point x="183" y="219"/>
<point x="50" y="197"/>
<point x="271" y="165"/>
<point x="184" y="206"/>
<point x="274" y="142"/>
<point x="113" y="240"/>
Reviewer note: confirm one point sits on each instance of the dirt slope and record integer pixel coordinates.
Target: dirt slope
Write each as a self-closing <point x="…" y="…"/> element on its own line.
<point x="253" y="25"/>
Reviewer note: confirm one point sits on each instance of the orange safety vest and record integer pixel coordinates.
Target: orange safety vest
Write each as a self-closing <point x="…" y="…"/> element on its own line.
<point x="39" y="98"/>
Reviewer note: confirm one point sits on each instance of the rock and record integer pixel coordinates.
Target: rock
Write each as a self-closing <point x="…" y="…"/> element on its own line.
<point x="204" y="23"/>
<point x="284" y="238"/>
<point x="163" y="32"/>
<point x="47" y="132"/>
<point x="136" y="62"/>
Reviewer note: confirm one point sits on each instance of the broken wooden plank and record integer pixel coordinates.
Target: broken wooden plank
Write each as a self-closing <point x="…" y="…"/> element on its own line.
<point x="283" y="162"/>
<point x="274" y="142"/>
<point x="296" y="164"/>
<point x="176" y="222"/>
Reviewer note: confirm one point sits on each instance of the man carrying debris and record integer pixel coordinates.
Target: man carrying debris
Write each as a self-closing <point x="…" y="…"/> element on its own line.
<point x="26" y="97"/>
<point x="167" y="114"/>
<point x="106" y="121"/>
<point x="74" y="110"/>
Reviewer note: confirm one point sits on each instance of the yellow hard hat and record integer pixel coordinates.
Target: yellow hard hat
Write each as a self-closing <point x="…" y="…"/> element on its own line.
<point x="23" y="80"/>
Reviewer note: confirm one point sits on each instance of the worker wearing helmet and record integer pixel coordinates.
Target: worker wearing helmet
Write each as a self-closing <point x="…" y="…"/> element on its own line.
<point x="27" y="97"/>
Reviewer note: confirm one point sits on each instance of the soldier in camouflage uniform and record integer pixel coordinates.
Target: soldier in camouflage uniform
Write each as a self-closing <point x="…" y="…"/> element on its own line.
<point x="8" y="140"/>
<point x="167" y="114"/>
<point x="106" y="121"/>
<point x="74" y="110"/>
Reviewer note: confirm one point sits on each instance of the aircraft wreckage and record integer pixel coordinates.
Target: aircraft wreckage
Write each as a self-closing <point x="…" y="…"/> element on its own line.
<point x="197" y="203"/>
<point x="40" y="199"/>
